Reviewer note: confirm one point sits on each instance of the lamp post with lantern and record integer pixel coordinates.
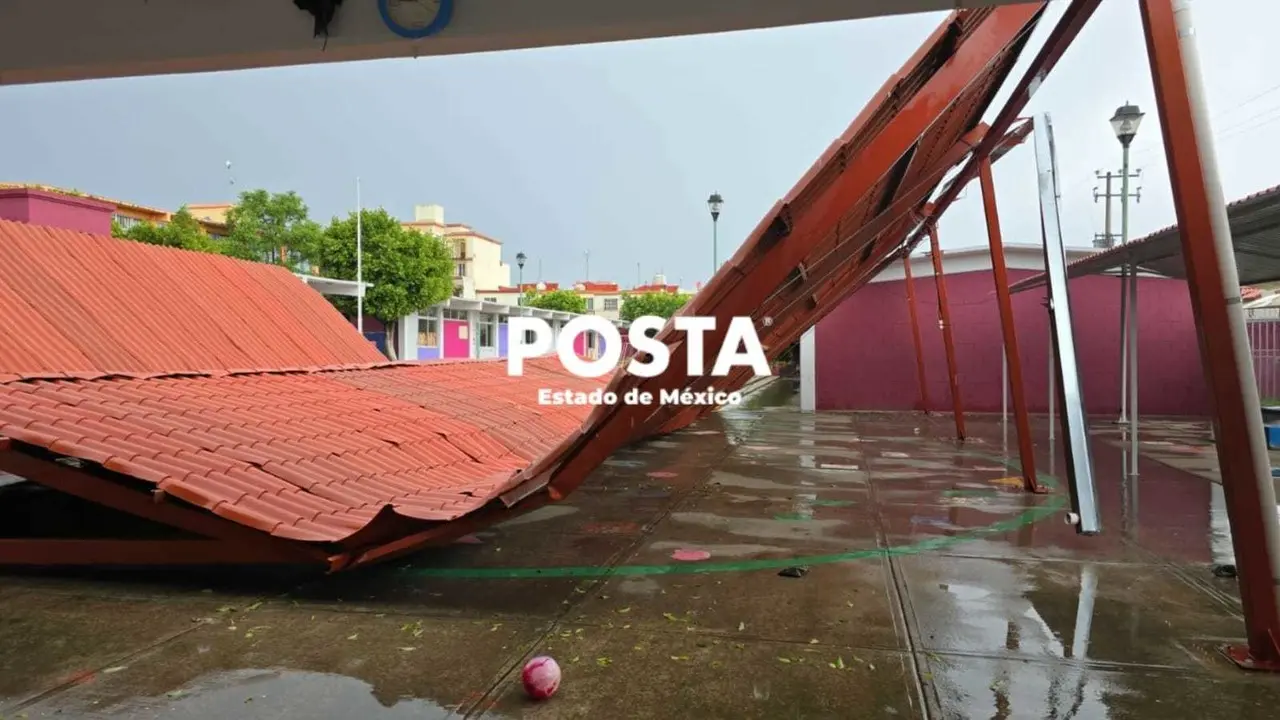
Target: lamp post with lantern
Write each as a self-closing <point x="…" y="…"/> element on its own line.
<point x="520" y="258"/>
<point x="1125" y="122"/>
<point x="714" y="203"/>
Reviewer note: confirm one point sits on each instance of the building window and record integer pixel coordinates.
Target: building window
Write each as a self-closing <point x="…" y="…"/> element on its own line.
<point x="455" y="314"/>
<point x="460" y="270"/>
<point x="487" y="339"/>
<point x="428" y="332"/>
<point x="460" y="250"/>
<point x="591" y="304"/>
<point x="457" y="292"/>
<point x="530" y="337"/>
<point x="124" y="221"/>
<point x="492" y="299"/>
<point x="610" y="304"/>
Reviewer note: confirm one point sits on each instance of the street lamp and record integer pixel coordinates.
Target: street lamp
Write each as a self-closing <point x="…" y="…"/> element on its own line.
<point x="1125" y="123"/>
<point x="714" y="203"/>
<point x="520" y="258"/>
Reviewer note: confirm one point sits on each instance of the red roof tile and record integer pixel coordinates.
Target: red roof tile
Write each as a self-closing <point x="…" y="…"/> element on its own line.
<point x="72" y="302"/>
<point x="275" y="451"/>
<point x="236" y="388"/>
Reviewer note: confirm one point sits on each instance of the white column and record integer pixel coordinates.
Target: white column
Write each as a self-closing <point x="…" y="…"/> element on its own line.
<point x="808" y="372"/>
<point x="407" y="343"/>
<point x="473" y="334"/>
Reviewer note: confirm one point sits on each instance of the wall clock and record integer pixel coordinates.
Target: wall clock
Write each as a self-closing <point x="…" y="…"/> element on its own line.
<point x="415" y="19"/>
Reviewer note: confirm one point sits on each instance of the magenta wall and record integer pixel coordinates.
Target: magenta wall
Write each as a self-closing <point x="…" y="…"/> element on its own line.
<point x="866" y="359"/>
<point x="456" y="346"/>
<point x="42" y="208"/>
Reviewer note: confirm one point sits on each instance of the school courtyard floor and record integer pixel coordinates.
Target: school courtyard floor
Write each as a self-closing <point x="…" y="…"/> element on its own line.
<point x="854" y="566"/>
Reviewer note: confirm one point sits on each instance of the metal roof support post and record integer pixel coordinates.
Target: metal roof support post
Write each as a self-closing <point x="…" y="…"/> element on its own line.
<point x="944" y="324"/>
<point x="921" y="378"/>
<point x="1124" y="345"/>
<point x="1000" y="272"/>
<point x="1085" y="516"/>
<point x="1215" y="299"/>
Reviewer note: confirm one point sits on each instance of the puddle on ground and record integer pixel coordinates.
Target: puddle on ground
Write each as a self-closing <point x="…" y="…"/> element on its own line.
<point x="275" y="694"/>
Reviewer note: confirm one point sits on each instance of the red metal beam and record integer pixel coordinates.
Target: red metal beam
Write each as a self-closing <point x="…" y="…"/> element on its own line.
<point x="107" y="492"/>
<point x="1060" y="38"/>
<point x="1215" y="299"/>
<point x="849" y="277"/>
<point x="915" y="335"/>
<point x="105" y="551"/>
<point x="807" y="215"/>
<point x="944" y="324"/>
<point x="1000" y="272"/>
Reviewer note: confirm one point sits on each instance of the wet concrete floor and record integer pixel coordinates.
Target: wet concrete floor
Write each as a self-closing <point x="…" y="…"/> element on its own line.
<point x="854" y="566"/>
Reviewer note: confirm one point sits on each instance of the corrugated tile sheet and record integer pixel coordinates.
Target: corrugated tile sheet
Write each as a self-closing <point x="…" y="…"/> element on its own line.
<point x="75" y="304"/>
<point x="306" y="456"/>
<point x="236" y="388"/>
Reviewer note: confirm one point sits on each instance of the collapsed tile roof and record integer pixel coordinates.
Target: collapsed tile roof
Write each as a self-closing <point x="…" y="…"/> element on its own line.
<point x="232" y="401"/>
<point x="235" y="388"/>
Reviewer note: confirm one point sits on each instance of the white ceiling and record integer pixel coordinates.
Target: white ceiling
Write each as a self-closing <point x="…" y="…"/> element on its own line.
<point x="47" y="40"/>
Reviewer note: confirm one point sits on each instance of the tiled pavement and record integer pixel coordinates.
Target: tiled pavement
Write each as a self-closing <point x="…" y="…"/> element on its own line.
<point x="929" y="587"/>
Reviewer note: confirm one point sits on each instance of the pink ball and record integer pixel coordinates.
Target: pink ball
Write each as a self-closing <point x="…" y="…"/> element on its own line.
<point x="541" y="677"/>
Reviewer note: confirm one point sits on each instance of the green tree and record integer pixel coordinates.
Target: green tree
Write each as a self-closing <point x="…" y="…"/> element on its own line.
<point x="558" y="300"/>
<point x="408" y="271"/>
<point x="662" y="304"/>
<point x="182" y="231"/>
<point x="268" y="227"/>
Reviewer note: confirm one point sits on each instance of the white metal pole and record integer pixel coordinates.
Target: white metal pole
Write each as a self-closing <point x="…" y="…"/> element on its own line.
<point x="1133" y="373"/>
<point x="359" y="261"/>
<point x="1004" y="399"/>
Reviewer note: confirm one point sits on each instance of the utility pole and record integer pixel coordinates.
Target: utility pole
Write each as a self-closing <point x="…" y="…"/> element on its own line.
<point x="1106" y="241"/>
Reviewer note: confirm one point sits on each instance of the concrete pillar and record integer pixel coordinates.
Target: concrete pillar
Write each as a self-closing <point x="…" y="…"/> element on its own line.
<point x="407" y="343"/>
<point x="473" y="334"/>
<point x="808" y="371"/>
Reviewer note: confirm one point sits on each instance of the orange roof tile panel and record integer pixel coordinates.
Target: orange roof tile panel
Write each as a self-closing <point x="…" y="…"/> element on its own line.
<point x="273" y="451"/>
<point x="75" y="302"/>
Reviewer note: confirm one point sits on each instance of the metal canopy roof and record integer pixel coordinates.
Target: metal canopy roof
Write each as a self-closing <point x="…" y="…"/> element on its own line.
<point x="1255" y="232"/>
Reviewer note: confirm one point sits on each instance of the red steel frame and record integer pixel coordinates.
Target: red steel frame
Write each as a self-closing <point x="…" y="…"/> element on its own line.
<point x="784" y="239"/>
<point x="915" y="334"/>
<point x="944" y="323"/>
<point x="1242" y="454"/>
<point x="1000" y="271"/>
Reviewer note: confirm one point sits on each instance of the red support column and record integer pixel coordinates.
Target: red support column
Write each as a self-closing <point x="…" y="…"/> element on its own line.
<point x="1026" y="452"/>
<point x="944" y="324"/>
<point x="915" y="333"/>
<point x="1215" y="299"/>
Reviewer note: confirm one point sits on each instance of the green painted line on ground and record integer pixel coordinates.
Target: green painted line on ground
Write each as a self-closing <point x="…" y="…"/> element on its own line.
<point x="1054" y="503"/>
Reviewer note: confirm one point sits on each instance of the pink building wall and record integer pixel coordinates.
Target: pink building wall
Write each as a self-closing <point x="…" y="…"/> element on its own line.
<point x="865" y="358"/>
<point x="455" y="345"/>
<point x="43" y="208"/>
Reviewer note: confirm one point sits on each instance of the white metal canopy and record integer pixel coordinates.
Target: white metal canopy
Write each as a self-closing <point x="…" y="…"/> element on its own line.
<point x="43" y="41"/>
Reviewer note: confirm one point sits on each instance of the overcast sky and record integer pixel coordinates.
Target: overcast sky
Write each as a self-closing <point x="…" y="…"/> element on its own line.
<point x="613" y="149"/>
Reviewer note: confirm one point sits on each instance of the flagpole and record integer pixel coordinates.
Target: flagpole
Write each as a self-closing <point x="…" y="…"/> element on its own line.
<point x="359" y="261"/>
